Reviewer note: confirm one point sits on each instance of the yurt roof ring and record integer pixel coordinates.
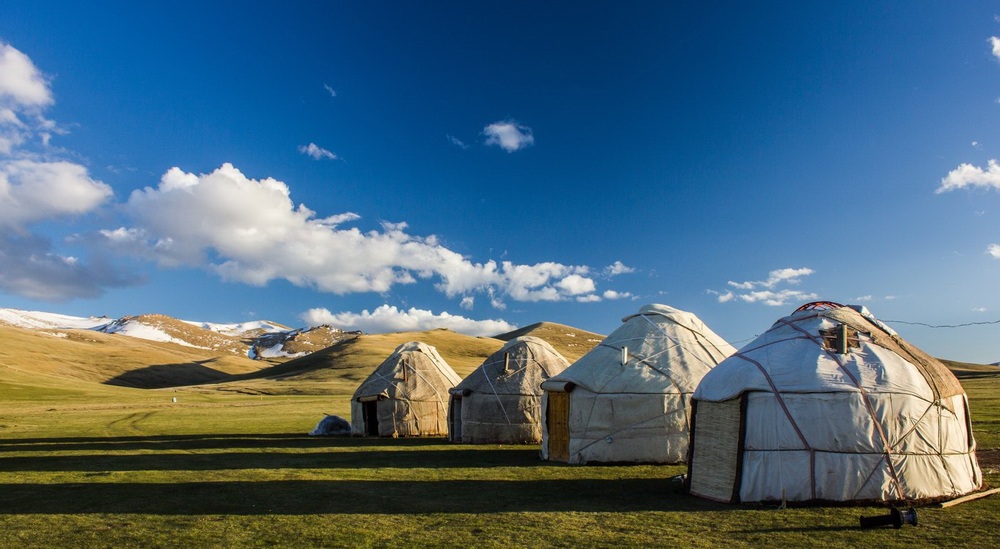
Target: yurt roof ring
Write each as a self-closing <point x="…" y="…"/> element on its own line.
<point x="820" y="306"/>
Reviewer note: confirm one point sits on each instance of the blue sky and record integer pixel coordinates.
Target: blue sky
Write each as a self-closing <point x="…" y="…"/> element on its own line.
<point x="385" y="165"/>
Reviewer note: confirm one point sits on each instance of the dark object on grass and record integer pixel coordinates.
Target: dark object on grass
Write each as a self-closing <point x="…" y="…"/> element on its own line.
<point x="332" y="425"/>
<point x="896" y="518"/>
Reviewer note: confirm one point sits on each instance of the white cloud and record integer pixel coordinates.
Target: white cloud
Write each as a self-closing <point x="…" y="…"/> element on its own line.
<point x="457" y="142"/>
<point x="21" y="83"/>
<point x="993" y="250"/>
<point x="612" y="295"/>
<point x="775" y="299"/>
<point x="979" y="309"/>
<point x="388" y="318"/>
<point x="31" y="191"/>
<point x="249" y="231"/>
<point x="24" y="95"/>
<point x="862" y="299"/>
<point x="967" y="175"/>
<point x="591" y="298"/>
<point x="762" y="291"/>
<point x="468" y="302"/>
<point x="774" y="278"/>
<point x="576" y="285"/>
<point x="617" y="268"/>
<point x="726" y="297"/>
<point x="36" y="187"/>
<point x="316" y="152"/>
<point x="995" y="45"/>
<point x="509" y="135"/>
<point x="330" y="90"/>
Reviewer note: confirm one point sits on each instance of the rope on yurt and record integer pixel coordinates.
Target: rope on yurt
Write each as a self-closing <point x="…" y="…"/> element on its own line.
<point x="788" y="415"/>
<point x="500" y="402"/>
<point x="645" y="361"/>
<point x="868" y="405"/>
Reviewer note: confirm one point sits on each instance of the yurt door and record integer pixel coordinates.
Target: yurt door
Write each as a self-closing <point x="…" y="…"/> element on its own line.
<point x="715" y="462"/>
<point x="557" y="421"/>
<point x="455" y="415"/>
<point x="370" y="411"/>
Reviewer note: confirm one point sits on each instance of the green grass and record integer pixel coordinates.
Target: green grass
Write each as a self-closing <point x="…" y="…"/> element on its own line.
<point x="84" y="464"/>
<point x="131" y="468"/>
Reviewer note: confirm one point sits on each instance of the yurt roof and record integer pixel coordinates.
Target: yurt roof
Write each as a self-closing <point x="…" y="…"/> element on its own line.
<point x="797" y="354"/>
<point x="384" y="378"/>
<point x="665" y="350"/>
<point x="536" y="361"/>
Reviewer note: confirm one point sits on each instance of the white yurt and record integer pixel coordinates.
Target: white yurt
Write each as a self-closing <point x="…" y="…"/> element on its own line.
<point x="500" y="402"/>
<point x="831" y="405"/>
<point x="406" y="396"/>
<point x="627" y="400"/>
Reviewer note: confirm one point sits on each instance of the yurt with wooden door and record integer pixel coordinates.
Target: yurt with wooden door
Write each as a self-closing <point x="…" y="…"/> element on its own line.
<point x="627" y="400"/>
<point x="500" y="402"/>
<point x="830" y="404"/>
<point x="406" y="396"/>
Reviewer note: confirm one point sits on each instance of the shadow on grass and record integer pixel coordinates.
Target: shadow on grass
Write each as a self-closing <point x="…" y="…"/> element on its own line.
<point x="460" y="458"/>
<point x="350" y="497"/>
<point x="260" y="452"/>
<point x="217" y="442"/>
<point x="162" y="376"/>
<point x="206" y="442"/>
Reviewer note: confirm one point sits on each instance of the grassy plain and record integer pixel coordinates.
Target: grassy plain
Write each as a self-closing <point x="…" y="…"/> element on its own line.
<point x="84" y="463"/>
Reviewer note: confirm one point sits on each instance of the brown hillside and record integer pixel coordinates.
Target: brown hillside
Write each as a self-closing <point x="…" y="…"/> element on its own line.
<point x="571" y="342"/>
<point x="337" y="370"/>
<point x="113" y="359"/>
<point x="194" y="335"/>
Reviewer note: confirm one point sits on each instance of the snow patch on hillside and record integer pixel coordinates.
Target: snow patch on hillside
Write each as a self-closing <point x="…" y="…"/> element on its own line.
<point x="240" y="329"/>
<point x="134" y="328"/>
<point x="38" y="320"/>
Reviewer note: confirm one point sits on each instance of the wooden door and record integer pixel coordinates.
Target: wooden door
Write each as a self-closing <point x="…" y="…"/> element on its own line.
<point x="557" y="421"/>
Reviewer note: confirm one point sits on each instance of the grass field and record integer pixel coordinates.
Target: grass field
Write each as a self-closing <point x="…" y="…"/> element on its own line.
<point x="84" y="463"/>
<point x="132" y="468"/>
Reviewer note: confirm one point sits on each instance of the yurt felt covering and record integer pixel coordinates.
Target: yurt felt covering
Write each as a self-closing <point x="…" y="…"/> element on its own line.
<point x="628" y="398"/>
<point x="500" y="401"/>
<point x="407" y="395"/>
<point x="790" y="417"/>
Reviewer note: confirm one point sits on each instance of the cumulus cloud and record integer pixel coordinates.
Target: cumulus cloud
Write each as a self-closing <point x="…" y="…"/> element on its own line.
<point x="388" y="318"/>
<point x="967" y="175"/>
<point x="34" y="187"/>
<point x="509" y="135"/>
<point x="32" y="191"/>
<point x="612" y="295"/>
<point x="250" y="231"/>
<point x="316" y="152"/>
<point x="617" y="268"/>
<point x="24" y="95"/>
<point x="994" y="251"/>
<point x="468" y="302"/>
<point x="774" y="278"/>
<point x="995" y="45"/>
<point x="763" y="291"/>
<point x="21" y="83"/>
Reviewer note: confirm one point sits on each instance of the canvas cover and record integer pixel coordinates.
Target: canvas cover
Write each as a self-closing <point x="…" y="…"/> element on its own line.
<point x="406" y="396"/>
<point x="883" y="421"/>
<point x="629" y="396"/>
<point x="501" y="401"/>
